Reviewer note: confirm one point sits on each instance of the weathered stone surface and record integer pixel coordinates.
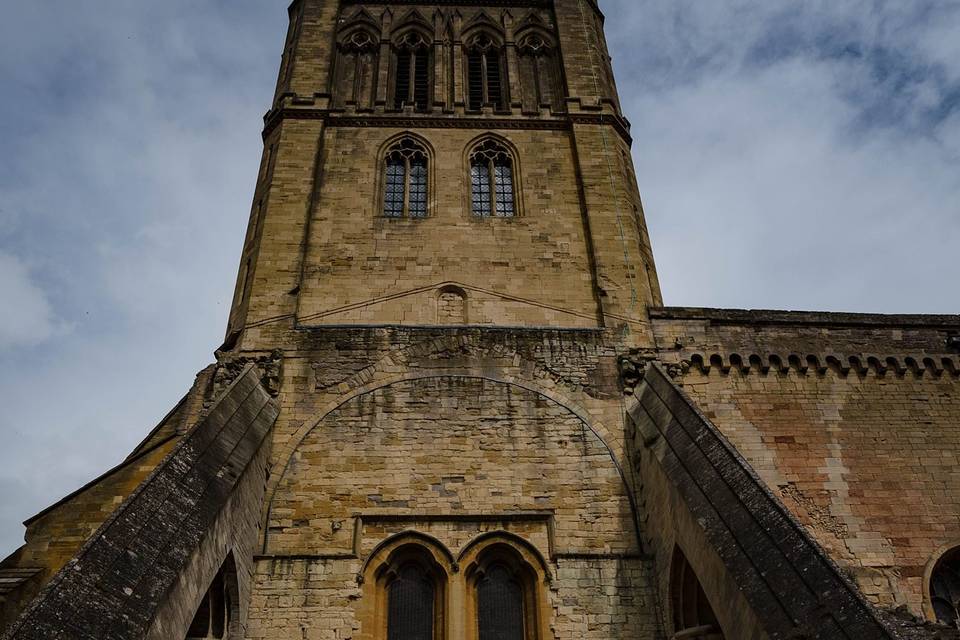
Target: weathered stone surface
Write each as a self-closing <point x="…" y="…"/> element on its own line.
<point x="457" y="385"/>
<point x="123" y="578"/>
<point x="792" y="588"/>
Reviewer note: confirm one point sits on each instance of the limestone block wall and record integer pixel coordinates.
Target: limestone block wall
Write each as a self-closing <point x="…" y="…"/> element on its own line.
<point x="456" y="435"/>
<point x="853" y="421"/>
<point x="530" y="270"/>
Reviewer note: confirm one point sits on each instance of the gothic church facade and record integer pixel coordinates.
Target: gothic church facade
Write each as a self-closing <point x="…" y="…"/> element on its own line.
<point x="451" y="404"/>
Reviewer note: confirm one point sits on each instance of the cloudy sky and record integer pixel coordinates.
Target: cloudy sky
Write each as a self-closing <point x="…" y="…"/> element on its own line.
<point x="798" y="154"/>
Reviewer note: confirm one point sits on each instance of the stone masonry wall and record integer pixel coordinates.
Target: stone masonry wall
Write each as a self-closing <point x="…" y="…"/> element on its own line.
<point x="853" y="421"/>
<point x="454" y="434"/>
<point x="531" y="270"/>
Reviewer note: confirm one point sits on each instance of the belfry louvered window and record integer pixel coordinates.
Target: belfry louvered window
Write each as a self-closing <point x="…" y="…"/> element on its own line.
<point x="411" y="598"/>
<point x="500" y="605"/>
<point x="945" y="589"/>
<point x="491" y="181"/>
<point x="405" y="180"/>
<point x="484" y="73"/>
<point x="412" y="74"/>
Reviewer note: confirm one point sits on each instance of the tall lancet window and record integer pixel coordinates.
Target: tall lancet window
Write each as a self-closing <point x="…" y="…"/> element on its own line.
<point x="356" y="69"/>
<point x="491" y="181"/>
<point x="413" y="72"/>
<point x="405" y="180"/>
<point x="539" y="72"/>
<point x="411" y="597"/>
<point x="485" y="77"/>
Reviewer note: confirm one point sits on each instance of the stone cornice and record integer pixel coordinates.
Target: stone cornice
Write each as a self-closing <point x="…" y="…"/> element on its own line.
<point x="334" y="119"/>
<point x="819" y="318"/>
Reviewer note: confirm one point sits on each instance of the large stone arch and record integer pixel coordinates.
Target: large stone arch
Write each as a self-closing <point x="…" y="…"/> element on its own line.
<point x="598" y="431"/>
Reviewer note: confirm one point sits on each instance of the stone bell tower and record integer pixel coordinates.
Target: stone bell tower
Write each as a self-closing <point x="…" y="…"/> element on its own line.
<point x="447" y="245"/>
<point x="436" y="164"/>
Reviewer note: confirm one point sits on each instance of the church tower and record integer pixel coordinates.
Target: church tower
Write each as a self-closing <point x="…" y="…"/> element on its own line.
<point x="447" y="247"/>
<point x="430" y="165"/>
<point x="451" y="406"/>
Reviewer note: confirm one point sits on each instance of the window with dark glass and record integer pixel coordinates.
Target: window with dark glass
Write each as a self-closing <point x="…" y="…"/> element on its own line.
<point x="500" y="605"/>
<point x="412" y="74"/>
<point x="484" y="73"/>
<point x="405" y="180"/>
<point x="491" y="181"/>
<point x="410" y="604"/>
<point x="945" y="589"/>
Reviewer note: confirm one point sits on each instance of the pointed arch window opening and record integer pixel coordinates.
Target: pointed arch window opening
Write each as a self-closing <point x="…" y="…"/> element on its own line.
<point x="492" y="181"/>
<point x="538" y="59"/>
<point x="357" y="68"/>
<point x="405" y="181"/>
<point x="485" y="77"/>
<point x="945" y="589"/>
<point x="413" y="72"/>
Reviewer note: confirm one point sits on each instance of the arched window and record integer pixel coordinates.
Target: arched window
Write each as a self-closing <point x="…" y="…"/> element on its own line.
<point x="485" y="77"/>
<point x="356" y="71"/>
<point x="945" y="589"/>
<point x="216" y="617"/>
<point x="411" y="597"/>
<point x="500" y="604"/>
<point x="504" y="595"/>
<point x="692" y="612"/>
<point x="539" y="72"/>
<point x="492" y="181"/>
<point x="412" y="71"/>
<point x="405" y="180"/>
<point x="407" y="588"/>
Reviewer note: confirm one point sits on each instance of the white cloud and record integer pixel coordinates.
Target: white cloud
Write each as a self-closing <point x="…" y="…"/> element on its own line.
<point x="775" y="175"/>
<point x="27" y="318"/>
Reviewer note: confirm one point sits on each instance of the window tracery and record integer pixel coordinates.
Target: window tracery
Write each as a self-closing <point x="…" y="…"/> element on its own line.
<point x="413" y="71"/>
<point x="357" y="61"/>
<point x="405" y="180"/>
<point x="492" y="181"/>
<point x="485" y="77"/>
<point x="539" y="71"/>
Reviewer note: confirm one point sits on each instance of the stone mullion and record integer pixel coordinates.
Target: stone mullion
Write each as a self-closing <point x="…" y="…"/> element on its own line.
<point x="439" y="77"/>
<point x="383" y="79"/>
<point x="459" y="95"/>
<point x="513" y="78"/>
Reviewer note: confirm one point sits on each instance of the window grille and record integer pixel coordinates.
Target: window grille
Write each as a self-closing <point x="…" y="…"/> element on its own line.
<point x="484" y="73"/>
<point x="405" y="181"/>
<point x="500" y="605"/>
<point x="491" y="177"/>
<point x="411" y="598"/>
